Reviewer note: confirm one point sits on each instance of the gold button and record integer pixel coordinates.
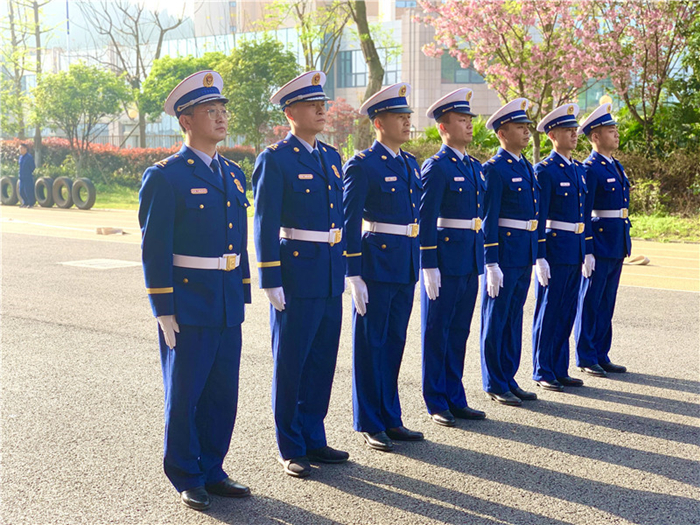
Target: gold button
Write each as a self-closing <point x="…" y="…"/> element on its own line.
<point x="185" y="280"/>
<point x="554" y="234"/>
<point x="230" y="225"/>
<point x="447" y="239"/>
<point x="329" y="186"/>
<point x="245" y="205"/>
<point x="414" y="205"/>
<point x="579" y="194"/>
<point x="295" y="254"/>
<point x="454" y="159"/>
<point x="383" y="157"/>
<point x="600" y="229"/>
<point x="383" y="246"/>
<point x="331" y="204"/>
<point x="507" y="234"/>
<point x="580" y="204"/>
<point x="460" y="189"/>
<point x="510" y="161"/>
<point x="393" y="189"/>
<point x="201" y="206"/>
<point x="228" y="203"/>
<point x="190" y="161"/>
<point x="308" y="190"/>
<point x="332" y="225"/>
<point x="625" y="200"/>
<point x="477" y="192"/>
<point x="415" y="220"/>
<point x="520" y="189"/>
<point x="230" y="247"/>
<point x="411" y="190"/>
<point x="478" y="205"/>
<point x="296" y="150"/>
<point x="535" y="201"/>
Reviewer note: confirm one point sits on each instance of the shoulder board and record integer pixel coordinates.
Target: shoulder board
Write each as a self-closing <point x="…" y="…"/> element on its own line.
<point x="170" y="159"/>
<point x="492" y="161"/>
<point x="544" y="162"/>
<point x="328" y="145"/>
<point x="278" y="145"/>
<point x="474" y="159"/>
<point x="409" y="154"/>
<point x="589" y="162"/>
<point x="229" y="161"/>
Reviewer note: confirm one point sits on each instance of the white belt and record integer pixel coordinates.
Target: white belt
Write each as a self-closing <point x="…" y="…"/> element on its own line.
<point x="575" y="227"/>
<point x="332" y="237"/>
<point x="460" y="224"/>
<point x="409" y="230"/>
<point x="530" y="226"/>
<point x="228" y="262"/>
<point x="611" y="214"/>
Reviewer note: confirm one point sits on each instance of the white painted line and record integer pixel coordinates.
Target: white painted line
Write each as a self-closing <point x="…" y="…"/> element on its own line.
<point x="655" y="288"/>
<point x="102" y="264"/>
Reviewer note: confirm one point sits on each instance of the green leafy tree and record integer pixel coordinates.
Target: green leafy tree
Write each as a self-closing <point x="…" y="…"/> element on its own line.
<point x="251" y="74"/>
<point x="77" y="101"/>
<point x="168" y="72"/>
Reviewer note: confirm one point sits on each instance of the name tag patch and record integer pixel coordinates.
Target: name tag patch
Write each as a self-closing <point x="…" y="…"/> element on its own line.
<point x="611" y="180"/>
<point x="390" y="179"/>
<point x="565" y="184"/>
<point x="306" y="176"/>
<point x="199" y="191"/>
<point x="459" y="179"/>
<point x="517" y="179"/>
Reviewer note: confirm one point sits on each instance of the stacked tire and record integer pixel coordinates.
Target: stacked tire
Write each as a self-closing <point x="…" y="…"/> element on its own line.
<point x="63" y="192"/>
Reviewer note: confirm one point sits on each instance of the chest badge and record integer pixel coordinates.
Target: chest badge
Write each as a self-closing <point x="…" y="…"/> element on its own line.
<point x="305" y="176"/>
<point x="335" y="170"/>
<point x="238" y="185"/>
<point x="459" y="179"/>
<point x="416" y="172"/>
<point x="482" y="176"/>
<point x="516" y="179"/>
<point x="565" y="184"/>
<point x="199" y="191"/>
<point x="390" y="179"/>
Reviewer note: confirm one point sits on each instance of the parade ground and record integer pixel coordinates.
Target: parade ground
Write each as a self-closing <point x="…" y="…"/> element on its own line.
<point x="82" y="407"/>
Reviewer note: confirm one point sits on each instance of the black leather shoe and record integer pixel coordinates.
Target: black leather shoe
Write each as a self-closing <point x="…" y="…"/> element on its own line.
<point x="570" y="381"/>
<point x="524" y="394"/>
<point x="554" y="386"/>
<point x="507" y="398"/>
<point x="594" y="370"/>
<point x="196" y="498"/>
<point x="468" y="413"/>
<point x="445" y="418"/>
<point x="613" y="369"/>
<point x="228" y="489"/>
<point x="403" y="434"/>
<point x="296" y="467"/>
<point x="378" y="441"/>
<point x="327" y="455"/>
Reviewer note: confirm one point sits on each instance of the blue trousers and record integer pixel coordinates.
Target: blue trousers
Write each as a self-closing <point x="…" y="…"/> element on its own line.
<point x="305" y="338"/>
<point x="26" y="190"/>
<point x="596" y="305"/>
<point x="555" y="312"/>
<point x="445" y="324"/>
<point x="379" y="338"/>
<point x="200" y="376"/>
<point x="502" y="330"/>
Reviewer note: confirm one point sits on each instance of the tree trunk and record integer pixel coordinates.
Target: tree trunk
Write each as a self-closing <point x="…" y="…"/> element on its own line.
<point x="142" y="129"/>
<point x="358" y="10"/>
<point x="536" y="144"/>
<point x="37" y="40"/>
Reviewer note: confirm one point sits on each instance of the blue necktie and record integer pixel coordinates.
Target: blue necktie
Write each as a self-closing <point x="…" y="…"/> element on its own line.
<point x="317" y="155"/>
<point x="215" y="167"/>
<point x="468" y="164"/>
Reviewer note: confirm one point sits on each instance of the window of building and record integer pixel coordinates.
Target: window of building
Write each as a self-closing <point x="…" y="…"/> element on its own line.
<point x="405" y="4"/>
<point x="352" y="70"/>
<point x="453" y="73"/>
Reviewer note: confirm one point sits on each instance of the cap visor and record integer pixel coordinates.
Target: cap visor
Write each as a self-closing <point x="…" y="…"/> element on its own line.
<point x="462" y="111"/>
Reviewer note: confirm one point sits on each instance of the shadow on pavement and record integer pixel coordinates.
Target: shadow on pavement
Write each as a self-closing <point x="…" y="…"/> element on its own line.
<point x="670" y="383"/>
<point x="259" y="509"/>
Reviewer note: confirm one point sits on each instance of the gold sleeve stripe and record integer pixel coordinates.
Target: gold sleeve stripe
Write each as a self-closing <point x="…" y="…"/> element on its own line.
<point x="154" y="291"/>
<point x="542" y="240"/>
<point x="270" y="264"/>
<point x="428" y="247"/>
<point x="492" y="244"/>
<point x="353" y="254"/>
<point x="246" y="281"/>
<point x="588" y="238"/>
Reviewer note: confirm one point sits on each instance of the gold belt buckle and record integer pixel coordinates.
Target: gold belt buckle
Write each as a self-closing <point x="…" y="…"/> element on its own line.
<point x="625" y="213"/>
<point x="231" y="262"/>
<point x="414" y="230"/>
<point x="477" y="224"/>
<point x="579" y="227"/>
<point x="337" y="236"/>
<point x="532" y="225"/>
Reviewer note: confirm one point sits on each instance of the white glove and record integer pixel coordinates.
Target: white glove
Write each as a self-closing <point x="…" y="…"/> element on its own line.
<point x="276" y="297"/>
<point x="542" y="271"/>
<point x="358" y="290"/>
<point x="588" y="265"/>
<point x="432" y="283"/>
<point x="169" y="326"/>
<point x="494" y="280"/>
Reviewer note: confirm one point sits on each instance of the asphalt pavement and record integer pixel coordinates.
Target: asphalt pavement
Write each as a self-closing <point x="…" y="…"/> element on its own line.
<point x="82" y="401"/>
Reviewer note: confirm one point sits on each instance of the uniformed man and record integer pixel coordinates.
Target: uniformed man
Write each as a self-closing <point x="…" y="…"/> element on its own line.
<point x="452" y="258"/>
<point x="193" y="221"/>
<point x="299" y="241"/>
<point x="510" y="249"/>
<point x="381" y="200"/>
<point x="26" y="177"/>
<point x="561" y="242"/>
<point x="607" y="203"/>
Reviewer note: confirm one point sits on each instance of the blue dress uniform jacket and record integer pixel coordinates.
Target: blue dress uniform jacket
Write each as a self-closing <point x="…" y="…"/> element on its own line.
<point x="512" y="192"/>
<point x="188" y="209"/>
<point x="292" y="190"/>
<point x="379" y="188"/>
<point x="608" y="189"/>
<point x="452" y="189"/>
<point x="562" y="198"/>
<point x="26" y="179"/>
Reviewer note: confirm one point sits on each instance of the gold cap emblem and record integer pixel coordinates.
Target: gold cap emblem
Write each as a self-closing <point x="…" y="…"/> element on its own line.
<point x="570" y="111"/>
<point x="469" y="96"/>
<point x="523" y="105"/>
<point x="608" y="108"/>
<point x="316" y="80"/>
<point x="208" y="80"/>
<point x="402" y="91"/>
